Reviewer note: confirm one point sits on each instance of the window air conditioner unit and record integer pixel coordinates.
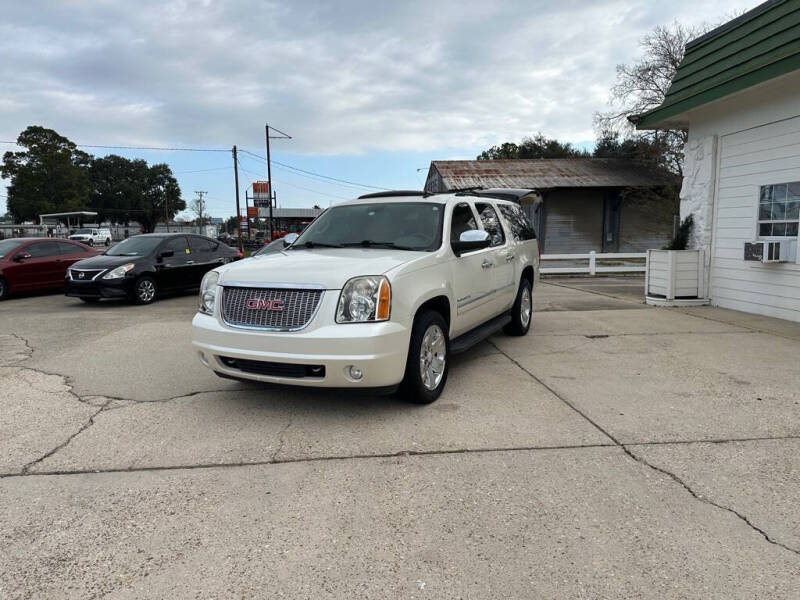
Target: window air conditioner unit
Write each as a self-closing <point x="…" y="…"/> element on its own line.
<point x="771" y="252"/>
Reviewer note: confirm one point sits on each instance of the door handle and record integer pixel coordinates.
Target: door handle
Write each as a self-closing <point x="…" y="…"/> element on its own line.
<point x="487" y="264"/>
<point x="189" y="262"/>
<point x="509" y="257"/>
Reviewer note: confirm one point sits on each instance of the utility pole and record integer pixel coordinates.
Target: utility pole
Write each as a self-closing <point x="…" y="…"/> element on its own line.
<point x="238" y="211"/>
<point x="200" y="207"/>
<point x="282" y="136"/>
<point x="247" y="214"/>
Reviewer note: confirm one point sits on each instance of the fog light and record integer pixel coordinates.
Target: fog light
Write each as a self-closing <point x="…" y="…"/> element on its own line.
<point x="355" y="372"/>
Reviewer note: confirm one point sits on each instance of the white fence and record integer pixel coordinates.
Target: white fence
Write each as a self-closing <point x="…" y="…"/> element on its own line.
<point x="592" y="268"/>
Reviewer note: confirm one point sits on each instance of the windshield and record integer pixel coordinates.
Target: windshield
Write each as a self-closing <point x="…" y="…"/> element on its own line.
<point x="134" y="246"/>
<point x="82" y="231"/>
<point x="8" y="246"/>
<point x="403" y="225"/>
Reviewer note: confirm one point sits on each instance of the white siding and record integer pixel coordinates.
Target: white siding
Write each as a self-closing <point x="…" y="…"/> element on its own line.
<point x="748" y="159"/>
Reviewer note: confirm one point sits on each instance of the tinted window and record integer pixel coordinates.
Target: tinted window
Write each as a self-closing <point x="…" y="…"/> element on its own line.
<point x="410" y="225"/>
<point x="518" y="222"/>
<point x="66" y="248"/>
<point x="178" y="245"/>
<point x="199" y="244"/>
<point x="42" y="249"/>
<point x="463" y="220"/>
<point x="8" y="246"/>
<point x="491" y="223"/>
<point x="138" y="245"/>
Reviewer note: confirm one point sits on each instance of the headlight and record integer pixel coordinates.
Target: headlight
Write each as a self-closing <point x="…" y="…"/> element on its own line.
<point x="365" y="299"/>
<point x="118" y="272"/>
<point x="208" y="292"/>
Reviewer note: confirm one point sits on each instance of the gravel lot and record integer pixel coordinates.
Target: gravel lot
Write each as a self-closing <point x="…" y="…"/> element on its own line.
<point x="618" y="451"/>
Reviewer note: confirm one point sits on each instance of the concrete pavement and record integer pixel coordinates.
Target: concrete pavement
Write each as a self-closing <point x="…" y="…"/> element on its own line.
<point x="618" y="451"/>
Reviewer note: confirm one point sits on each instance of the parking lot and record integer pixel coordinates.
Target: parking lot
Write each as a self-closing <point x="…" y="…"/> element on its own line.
<point x="618" y="451"/>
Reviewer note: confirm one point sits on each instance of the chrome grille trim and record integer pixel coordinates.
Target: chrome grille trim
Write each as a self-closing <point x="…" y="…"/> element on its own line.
<point x="90" y="274"/>
<point x="300" y="306"/>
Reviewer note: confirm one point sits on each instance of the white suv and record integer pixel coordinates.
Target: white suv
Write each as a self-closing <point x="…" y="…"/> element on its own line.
<point x="90" y="237"/>
<point x="377" y="292"/>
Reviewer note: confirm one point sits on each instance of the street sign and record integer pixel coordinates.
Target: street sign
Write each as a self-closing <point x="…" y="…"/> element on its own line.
<point x="261" y="193"/>
<point x="252" y="212"/>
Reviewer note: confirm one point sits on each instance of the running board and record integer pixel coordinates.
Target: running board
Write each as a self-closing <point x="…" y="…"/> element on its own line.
<point x="467" y="340"/>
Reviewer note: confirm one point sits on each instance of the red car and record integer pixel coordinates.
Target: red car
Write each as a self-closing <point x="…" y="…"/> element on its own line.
<point x="37" y="264"/>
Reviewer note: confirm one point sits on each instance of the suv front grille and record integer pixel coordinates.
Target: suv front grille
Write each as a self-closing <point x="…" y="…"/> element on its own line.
<point x="274" y="369"/>
<point x="84" y="274"/>
<point x="269" y="308"/>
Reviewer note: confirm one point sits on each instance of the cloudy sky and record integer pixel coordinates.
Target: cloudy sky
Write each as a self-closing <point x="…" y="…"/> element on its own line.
<point x="370" y="91"/>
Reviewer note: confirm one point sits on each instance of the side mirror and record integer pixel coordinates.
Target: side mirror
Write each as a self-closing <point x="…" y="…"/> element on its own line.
<point x="472" y="239"/>
<point x="22" y="256"/>
<point x="289" y="239"/>
<point x="166" y="254"/>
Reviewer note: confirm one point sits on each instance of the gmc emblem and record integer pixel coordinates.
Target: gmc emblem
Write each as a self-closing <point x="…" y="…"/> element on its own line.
<point x="257" y="304"/>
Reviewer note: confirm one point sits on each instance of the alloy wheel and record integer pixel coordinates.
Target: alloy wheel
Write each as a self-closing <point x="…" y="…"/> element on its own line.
<point x="146" y="291"/>
<point x="525" y="306"/>
<point x="432" y="357"/>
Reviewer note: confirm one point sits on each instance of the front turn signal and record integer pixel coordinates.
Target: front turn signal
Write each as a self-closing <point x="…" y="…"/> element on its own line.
<point x="384" y="301"/>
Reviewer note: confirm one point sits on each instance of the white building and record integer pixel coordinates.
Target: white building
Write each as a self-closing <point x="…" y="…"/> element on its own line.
<point x="738" y="93"/>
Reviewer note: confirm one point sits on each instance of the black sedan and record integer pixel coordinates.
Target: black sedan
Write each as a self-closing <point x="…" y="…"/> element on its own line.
<point x="142" y="267"/>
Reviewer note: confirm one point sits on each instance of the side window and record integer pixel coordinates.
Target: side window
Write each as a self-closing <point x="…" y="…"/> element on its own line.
<point x="518" y="222"/>
<point x="42" y="249"/>
<point x="491" y="223"/>
<point x="178" y="245"/>
<point x="199" y="244"/>
<point x="463" y="220"/>
<point x="66" y="248"/>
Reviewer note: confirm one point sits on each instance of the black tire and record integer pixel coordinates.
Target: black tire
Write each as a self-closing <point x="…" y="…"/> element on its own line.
<point x="414" y="388"/>
<point x="108" y="242"/>
<point x="522" y="311"/>
<point x="90" y="300"/>
<point x="90" y="242"/>
<point x="4" y="289"/>
<point x="144" y="290"/>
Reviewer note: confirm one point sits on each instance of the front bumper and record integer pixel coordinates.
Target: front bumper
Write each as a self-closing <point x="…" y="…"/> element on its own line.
<point x="99" y="288"/>
<point x="378" y="349"/>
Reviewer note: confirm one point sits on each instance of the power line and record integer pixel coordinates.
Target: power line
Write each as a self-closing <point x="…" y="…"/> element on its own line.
<point x="299" y="187"/>
<point x="364" y="185"/>
<point x="175" y="149"/>
<point x="202" y="170"/>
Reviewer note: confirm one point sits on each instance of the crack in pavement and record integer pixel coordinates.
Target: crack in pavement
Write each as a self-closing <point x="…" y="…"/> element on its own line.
<point x="26" y="468"/>
<point x="643" y="461"/>
<point x="614" y="442"/>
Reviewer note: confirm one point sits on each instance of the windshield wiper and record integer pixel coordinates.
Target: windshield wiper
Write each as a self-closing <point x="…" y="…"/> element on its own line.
<point x="372" y="244"/>
<point x="311" y="244"/>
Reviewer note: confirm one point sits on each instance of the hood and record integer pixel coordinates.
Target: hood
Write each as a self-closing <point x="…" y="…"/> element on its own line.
<point x="330" y="267"/>
<point x="102" y="261"/>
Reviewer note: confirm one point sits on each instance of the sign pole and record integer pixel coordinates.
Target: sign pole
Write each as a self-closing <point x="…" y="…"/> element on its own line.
<point x="238" y="210"/>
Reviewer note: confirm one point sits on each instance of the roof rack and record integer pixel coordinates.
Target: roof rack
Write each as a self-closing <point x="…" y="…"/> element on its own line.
<point x="392" y="193"/>
<point x="512" y="194"/>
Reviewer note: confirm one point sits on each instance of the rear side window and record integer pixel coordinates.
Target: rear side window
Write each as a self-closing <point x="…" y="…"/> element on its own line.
<point x="199" y="244"/>
<point x="491" y="223"/>
<point x="66" y="248"/>
<point x="518" y="222"/>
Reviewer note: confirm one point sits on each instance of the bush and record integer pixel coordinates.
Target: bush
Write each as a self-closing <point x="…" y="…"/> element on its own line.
<point x="681" y="239"/>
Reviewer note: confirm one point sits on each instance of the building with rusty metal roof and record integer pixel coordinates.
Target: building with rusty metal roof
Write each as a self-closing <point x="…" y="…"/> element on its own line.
<point x="583" y="204"/>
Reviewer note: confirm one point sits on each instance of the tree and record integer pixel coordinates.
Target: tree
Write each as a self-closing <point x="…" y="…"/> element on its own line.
<point x="117" y="187"/>
<point x="198" y="207"/>
<point x="161" y="197"/>
<point x="642" y="86"/>
<point x="537" y="146"/>
<point x="50" y="175"/>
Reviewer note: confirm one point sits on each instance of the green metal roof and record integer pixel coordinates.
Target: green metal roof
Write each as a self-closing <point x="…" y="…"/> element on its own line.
<point x="761" y="44"/>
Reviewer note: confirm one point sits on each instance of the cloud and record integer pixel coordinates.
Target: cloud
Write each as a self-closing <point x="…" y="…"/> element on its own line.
<point x="341" y="77"/>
